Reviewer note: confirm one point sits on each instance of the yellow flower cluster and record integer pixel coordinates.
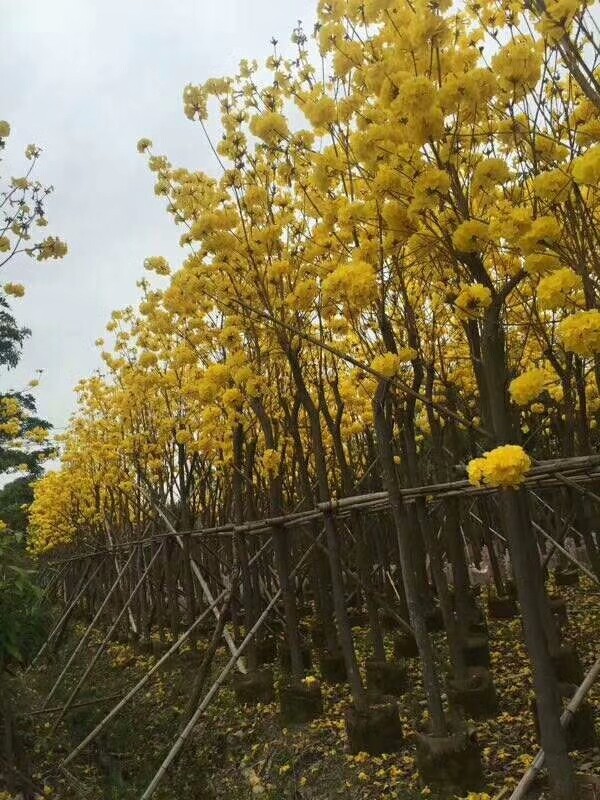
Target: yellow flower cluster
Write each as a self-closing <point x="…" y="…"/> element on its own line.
<point x="470" y="236"/>
<point x="147" y="359"/>
<point x="38" y="435"/>
<point x="353" y="284"/>
<point x="518" y="66"/>
<point x="157" y="264"/>
<point x="195" y="102"/>
<point x="388" y="364"/>
<point x="472" y="299"/>
<point x="505" y="466"/>
<point x="540" y="263"/>
<point x="580" y="333"/>
<point x="526" y="387"/>
<point x="14" y="289"/>
<point x="51" y="247"/>
<point x="270" y="127"/>
<point x="586" y="168"/>
<point x="11" y="407"/>
<point x="557" y="18"/>
<point x="558" y="289"/>
<point x="489" y="173"/>
<point x="11" y="428"/>
<point x="320" y="111"/>
<point x="552" y="186"/>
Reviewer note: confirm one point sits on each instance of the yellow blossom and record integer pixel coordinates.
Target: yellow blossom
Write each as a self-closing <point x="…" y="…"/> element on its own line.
<point x="559" y="289"/>
<point x="386" y="364"/>
<point x="353" y="283"/>
<point x="529" y="385"/>
<point x="580" y="333"/>
<point x="14" y="289"/>
<point x="157" y="264"/>
<point x="270" y="127"/>
<point x="472" y="299"/>
<point x="470" y="236"/>
<point x="505" y="466"/>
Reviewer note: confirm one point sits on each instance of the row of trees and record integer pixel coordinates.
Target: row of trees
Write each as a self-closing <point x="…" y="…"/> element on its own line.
<point x="394" y="274"/>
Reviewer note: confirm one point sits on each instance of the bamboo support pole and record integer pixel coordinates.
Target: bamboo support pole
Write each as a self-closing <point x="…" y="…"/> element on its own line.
<point x="132" y="623"/>
<point x="205" y="666"/>
<point x="140" y="684"/>
<point x="204" y="586"/>
<point x="54" y="578"/>
<point x="181" y="739"/>
<point x="568" y="481"/>
<point x="207" y="698"/>
<point x="64" y="616"/>
<point x="492" y="530"/>
<point x="524" y="784"/>
<point x="82" y="704"/>
<point x="106" y="639"/>
<point x="87" y="632"/>
<point x="144" y="680"/>
<point x="565" y="552"/>
<point x="548" y="507"/>
<point x="545" y="533"/>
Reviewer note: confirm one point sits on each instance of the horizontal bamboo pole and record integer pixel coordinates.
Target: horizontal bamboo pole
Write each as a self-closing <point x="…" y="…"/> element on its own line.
<point x="81" y="704"/>
<point x="545" y="474"/>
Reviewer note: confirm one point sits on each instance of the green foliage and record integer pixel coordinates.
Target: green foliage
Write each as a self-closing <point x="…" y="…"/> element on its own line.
<point x="11" y="336"/>
<point x="22" y="616"/>
<point x="15" y="499"/>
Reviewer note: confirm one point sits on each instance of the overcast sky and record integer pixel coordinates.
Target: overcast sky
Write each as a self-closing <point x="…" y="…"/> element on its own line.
<point x="85" y="79"/>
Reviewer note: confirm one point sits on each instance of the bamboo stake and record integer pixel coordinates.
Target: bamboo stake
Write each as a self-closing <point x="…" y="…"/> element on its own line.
<point x="204" y="670"/>
<point x="64" y="617"/>
<point x="144" y="680"/>
<point x="565" y="552"/>
<point x="82" y="704"/>
<point x="53" y="579"/>
<point x="203" y="584"/>
<point x="140" y="684"/>
<point x="548" y="507"/>
<point x="570" y="482"/>
<point x="88" y="630"/>
<point x="118" y="567"/>
<point x="524" y="784"/>
<point x="181" y="739"/>
<point x="207" y="698"/>
<point x="106" y="639"/>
